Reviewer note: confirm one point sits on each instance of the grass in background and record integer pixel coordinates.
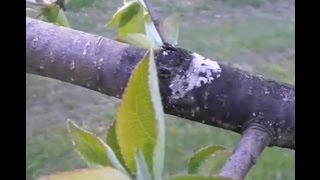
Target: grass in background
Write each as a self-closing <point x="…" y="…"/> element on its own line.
<point x="245" y="33"/>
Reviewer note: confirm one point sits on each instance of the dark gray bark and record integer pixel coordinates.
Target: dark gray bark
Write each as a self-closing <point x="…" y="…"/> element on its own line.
<point x="191" y="86"/>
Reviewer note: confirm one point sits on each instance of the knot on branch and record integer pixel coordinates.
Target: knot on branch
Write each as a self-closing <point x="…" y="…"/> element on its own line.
<point x="262" y="125"/>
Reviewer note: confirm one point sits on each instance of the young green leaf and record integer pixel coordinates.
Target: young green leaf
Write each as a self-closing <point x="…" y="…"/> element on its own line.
<point x="55" y="15"/>
<point x="201" y="156"/>
<point x="112" y="141"/>
<point x="115" y="20"/>
<point x="129" y="13"/>
<point x="199" y="178"/>
<point x="142" y="167"/>
<point x="101" y="173"/>
<point x="159" y="151"/>
<point x="151" y="30"/>
<point x="92" y="148"/>
<point x="138" y="40"/>
<point x="51" y="13"/>
<point x="171" y="28"/>
<point x="140" y="119"/>
<point x="128" y="19"/>
<point x="143" y="4"/>
<point x="62" y="19"/>
<point x="214" y="163"/>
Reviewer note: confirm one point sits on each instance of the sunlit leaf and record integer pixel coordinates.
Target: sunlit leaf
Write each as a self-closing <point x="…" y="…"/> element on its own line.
<point x="101" y="173"/>
<point x="214" y="163"/>
<point x="55" y="15"/>
<point x="92" y="148"/>
<point x="201" y="156"/>
<point x="138" y="40"/>
<point x="140" y="119"/>
<point x="142" y="167"/>
<point x="143" y="4"/>
<point x="159" y="151"/>
<point x="151" y="30"/>
<point x="51" y="13"/>
<point x="112" y="141"/>
<point x="171" y="28"/>
<point x="129" y="13"/>
<point x="115" y="20"/>
<point x="128" y="19"/>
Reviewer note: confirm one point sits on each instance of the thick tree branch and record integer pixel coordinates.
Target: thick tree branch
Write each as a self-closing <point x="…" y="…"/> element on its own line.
<point x="191" y="87"/>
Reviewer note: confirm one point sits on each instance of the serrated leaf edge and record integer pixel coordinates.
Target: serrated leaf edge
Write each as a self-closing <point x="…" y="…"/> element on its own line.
<point x="114" y="161"/>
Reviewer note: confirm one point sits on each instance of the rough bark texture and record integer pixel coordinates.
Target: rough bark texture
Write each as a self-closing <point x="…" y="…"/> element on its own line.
<point x="191" y="86"/>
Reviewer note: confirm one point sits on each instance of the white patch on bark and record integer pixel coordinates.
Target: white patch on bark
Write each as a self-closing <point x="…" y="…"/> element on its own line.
<point x="85" y="50"/>
<point x="201" y="71"/>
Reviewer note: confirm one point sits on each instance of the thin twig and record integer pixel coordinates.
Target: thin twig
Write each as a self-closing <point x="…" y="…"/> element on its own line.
<point x="251" y="145"/>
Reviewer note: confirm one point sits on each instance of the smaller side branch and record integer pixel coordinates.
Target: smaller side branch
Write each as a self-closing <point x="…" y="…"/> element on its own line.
<point x="251" y="145"/>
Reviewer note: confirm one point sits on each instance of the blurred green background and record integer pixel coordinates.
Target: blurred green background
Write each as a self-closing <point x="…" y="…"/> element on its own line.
<point x="254" y="35"/>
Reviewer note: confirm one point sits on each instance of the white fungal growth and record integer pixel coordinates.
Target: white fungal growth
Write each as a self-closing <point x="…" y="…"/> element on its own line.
<point x="266" y="91"/>
<point x="100" y="63"/>
<point x="200" y="72"/>
<point x="34" y="42"/>
<point x="164" y="53"/>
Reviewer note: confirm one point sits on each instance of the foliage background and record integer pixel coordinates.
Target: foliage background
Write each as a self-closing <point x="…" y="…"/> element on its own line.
<point x="254" y="35"/>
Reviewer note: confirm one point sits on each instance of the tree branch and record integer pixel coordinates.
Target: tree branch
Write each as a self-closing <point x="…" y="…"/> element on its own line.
<point x="251" y="145"/>
<point x="191" y="87"/>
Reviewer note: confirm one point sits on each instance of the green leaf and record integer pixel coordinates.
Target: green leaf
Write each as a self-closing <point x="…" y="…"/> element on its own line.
<point x="200" y="157"/>
<point x="101" y="173"/>
<point x="115" y="20"/>
<point x="171" y="28"/>
<point x="129" y="13"/>
<point x="92" y="148"/>
<point x="55" y="15"/>
<point x="62" y="19"/>
<point x="142" y="4"/>
<point x="112" y="141"/>
<point x="142" y="167"/>
<point x="138" y="40"/>
<point x="151" y="30"/>
<point x="88" y="145"/>
<point x="128" y="19"/>
<point x="51" y="13"/>
<point x="199" y="178"/>
<point x="214" y="163"/>
<point x="159" y="152"/>
<point x="140" y="118"/>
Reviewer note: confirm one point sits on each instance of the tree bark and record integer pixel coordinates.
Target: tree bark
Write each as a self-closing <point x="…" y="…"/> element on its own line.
<point x="191" y="86"/>
<point x="246" y="153"/>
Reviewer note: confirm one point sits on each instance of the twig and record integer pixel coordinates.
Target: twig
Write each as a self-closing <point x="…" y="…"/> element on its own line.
<point x="246" y="153"/>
